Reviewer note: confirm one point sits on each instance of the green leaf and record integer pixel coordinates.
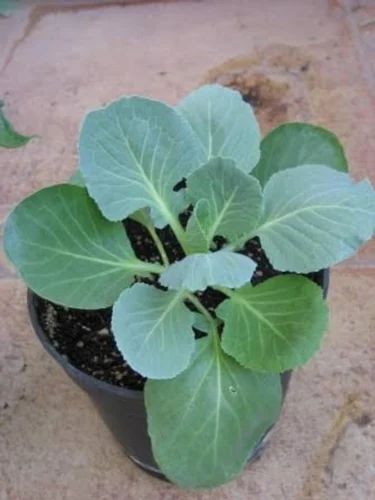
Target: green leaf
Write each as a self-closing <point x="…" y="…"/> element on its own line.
<point x="153" y="331"/>
<point x="224" y="123"/>
<point x="205" y="422"/>
<point x="228" y="203"/>
<point x="200" y="270"/>
<point x="275" y="326"/>
<point x="9" y="138"/>
<point x="196" y="230"/>
<point x="77" y="180"/>
<point x="314" y="217"/>
<point x="132" y="154"/>
<point x="8" y="6"/>
<point x="142" y="217"/>
<point x="67" y="252"/>
<point x="295" y="144"/>
<point x="201" y="323"/>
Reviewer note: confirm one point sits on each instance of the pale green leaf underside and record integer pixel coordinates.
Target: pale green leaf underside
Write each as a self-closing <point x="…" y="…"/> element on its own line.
<point x="205" y="422"/>
<point x="153" y="331"/>
<point x="9" y="137"/>
<point x="67" y="252"/>
<point x="295" y="144"/>
<point x="314" y="217"/>
<point x="275" y="326"/>
<point x="198" y="271"/>
<point x="225" y="125"/>
<point x="132" y="153"/>
<point x="227" y="203"/>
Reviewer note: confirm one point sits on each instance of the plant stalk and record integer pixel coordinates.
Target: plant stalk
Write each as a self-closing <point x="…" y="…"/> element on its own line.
<point x="200" y="307"/>
<point x="159" y="245"/>
<point x="180" y="234"/>
<point x="151" y="267"/>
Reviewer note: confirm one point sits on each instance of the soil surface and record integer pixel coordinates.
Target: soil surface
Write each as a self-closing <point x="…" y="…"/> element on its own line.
<point x="85" y="337"/>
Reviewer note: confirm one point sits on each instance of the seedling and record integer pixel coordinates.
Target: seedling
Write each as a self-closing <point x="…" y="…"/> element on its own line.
<point x="209" y="400"/>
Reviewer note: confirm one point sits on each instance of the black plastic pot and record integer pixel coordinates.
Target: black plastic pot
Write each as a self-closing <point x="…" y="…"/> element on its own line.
<point x="123" y="410"/>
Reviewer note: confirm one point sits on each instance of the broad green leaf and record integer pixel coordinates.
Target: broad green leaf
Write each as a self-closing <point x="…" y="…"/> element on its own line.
<point x="225" y="125"/>
<point x="295" y="144"/>
<point x="77" y="180"/>
<point x="205" y="422"/>
<point x="314" y="217"/>
<point x="67" y="252"/>
<point x="132" y="154"/>
<point x="153" y="331"/>
<point x="275" y="326"/>
<point x="9" y="138"/>
<point x="228" y="202"/>
<point x="200" y="270"/>
<point x="196" y="230"/>
<point x="201" y="323"/>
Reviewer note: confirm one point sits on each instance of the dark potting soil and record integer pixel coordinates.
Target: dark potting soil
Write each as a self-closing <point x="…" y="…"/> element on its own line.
<point x="85" y="337"/>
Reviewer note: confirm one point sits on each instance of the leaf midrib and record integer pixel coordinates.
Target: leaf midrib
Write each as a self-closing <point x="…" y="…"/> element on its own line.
<point x="134" y="264"/>
<point x="258" y="315"/>
<point x="220" y="217"/>
<point x="263" y="319"/>
<point x="161" y="318"/>
<point x="164" y="209"/>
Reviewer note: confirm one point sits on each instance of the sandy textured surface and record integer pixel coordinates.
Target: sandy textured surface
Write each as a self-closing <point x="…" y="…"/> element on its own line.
<point x="296" y="60"/>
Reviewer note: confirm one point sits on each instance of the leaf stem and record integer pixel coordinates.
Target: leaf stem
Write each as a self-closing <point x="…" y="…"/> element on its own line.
<point x="149" y="267"/>
<point x="200" y="307"/>
<point x="179" y="232"/>
<point x="159" y="245"/>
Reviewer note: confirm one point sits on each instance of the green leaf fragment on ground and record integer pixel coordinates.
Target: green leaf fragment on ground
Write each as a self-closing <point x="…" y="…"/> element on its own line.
<point x="9" y="138"/>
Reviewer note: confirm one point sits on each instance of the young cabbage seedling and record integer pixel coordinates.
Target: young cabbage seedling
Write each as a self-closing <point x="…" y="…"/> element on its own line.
<point x="209" y="400"/>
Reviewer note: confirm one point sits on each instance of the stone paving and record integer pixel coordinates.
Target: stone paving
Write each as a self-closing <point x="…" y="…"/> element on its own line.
<point x="311" y="60"/>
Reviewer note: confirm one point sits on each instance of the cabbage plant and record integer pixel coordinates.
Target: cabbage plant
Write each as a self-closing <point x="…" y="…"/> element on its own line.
<point x="209" y="400"/>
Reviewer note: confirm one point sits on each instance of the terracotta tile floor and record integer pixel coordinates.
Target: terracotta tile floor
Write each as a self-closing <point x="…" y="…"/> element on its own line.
<point x="298" y="60"/>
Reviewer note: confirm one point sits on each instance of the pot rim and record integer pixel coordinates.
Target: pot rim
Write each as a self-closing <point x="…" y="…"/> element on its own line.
<point x="89" y="379"/>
